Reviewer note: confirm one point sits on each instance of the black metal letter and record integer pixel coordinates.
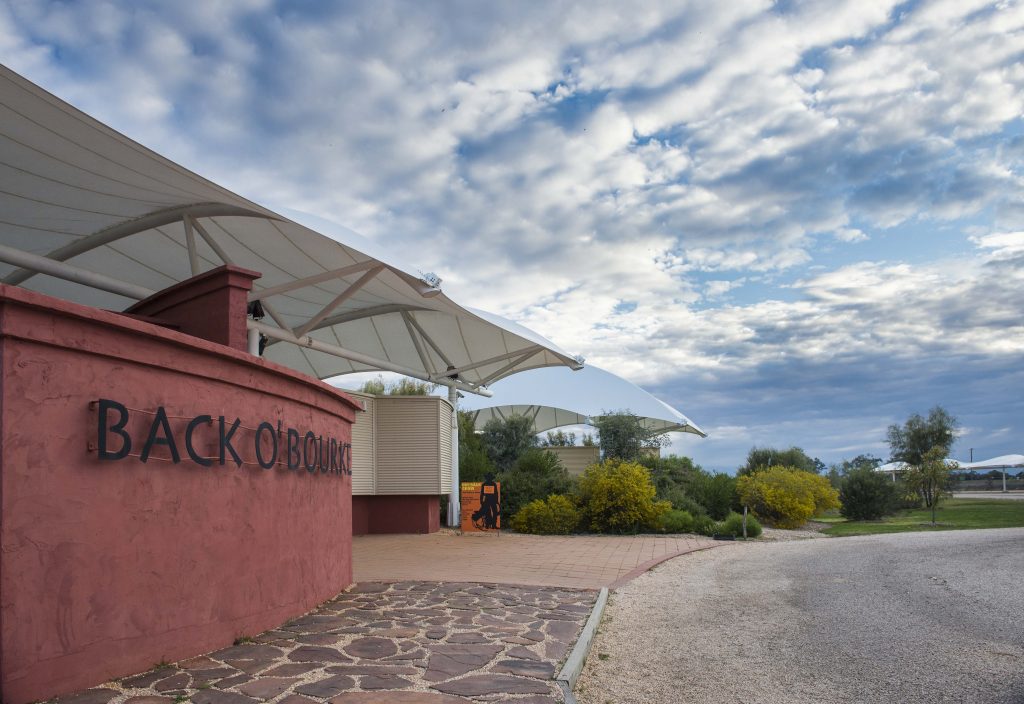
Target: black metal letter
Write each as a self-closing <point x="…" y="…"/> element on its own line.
<point x="321" y="456"/>
<point x="225" y="441"/>
<point x="293" y="448"/>
<point x="118" y="428"/>
<point x="189" y="447"/>
<point x="310" y="466"/>
<point x="273" y="436"/>
<point x="160" y="422"/>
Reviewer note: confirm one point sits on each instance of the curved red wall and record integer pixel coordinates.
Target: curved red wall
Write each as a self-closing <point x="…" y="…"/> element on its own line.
<point x="108" y="567"/>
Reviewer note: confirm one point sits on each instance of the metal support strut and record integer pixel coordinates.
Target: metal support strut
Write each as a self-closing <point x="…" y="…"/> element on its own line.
<point x="454" y="499"/>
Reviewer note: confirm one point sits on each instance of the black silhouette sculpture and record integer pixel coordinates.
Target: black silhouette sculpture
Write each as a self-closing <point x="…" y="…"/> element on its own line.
<point x="486" y="518"/>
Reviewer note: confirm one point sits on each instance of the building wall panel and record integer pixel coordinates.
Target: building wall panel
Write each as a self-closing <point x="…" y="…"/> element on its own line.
<point x="364" y="447"/>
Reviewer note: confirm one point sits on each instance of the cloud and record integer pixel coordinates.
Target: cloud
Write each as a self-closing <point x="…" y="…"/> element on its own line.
<point x="753" y="178"/>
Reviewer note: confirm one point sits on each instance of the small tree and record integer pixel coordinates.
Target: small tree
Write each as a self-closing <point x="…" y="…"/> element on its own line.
<point x="716" y="493"/>
<point x="402" y="387"/>
<point x="474" y="464"/>
<point x="377" y="387"/>
<point x="764" y="457"/>
<point x="410" y="387"/>
<point x="866" y="495"/>
<point x="505" y="440"/>
<point x="838" y="472"/>
<point x="911" y="441"/>
<point x="559" y="439"/>
<point x="623" y="436"/>
<point x="929" y="478"/>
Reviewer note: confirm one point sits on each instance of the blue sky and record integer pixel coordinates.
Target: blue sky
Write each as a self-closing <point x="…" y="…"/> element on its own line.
<point x="797" y="222"/>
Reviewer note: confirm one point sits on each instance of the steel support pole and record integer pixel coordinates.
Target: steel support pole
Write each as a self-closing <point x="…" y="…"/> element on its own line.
<point x="454" y="499"/>
<point x="254" y="342"/>
<point x="31" y="264"/>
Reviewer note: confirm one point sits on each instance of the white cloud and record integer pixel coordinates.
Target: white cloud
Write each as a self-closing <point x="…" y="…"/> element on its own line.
<point x="849" y="234"/>
<point x="1004" y="245"/>
<point x="552" y="160"/>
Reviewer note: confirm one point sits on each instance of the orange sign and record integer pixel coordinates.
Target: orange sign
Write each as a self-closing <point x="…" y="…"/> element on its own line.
<point x="481" y="506"/>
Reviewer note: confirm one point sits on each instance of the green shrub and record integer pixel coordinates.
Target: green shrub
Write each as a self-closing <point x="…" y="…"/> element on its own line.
<point x="536" y="475"/>
<point x="704" y="525"/>
<point x="785" y="496"/>
<point x="556" y="515"/>
<point x="715" y="492"/>
<point x="906" y="497"/>
<point x="506" y="440"/>
<point x="866" y="495"/>
<point x="618" y="497"/>
<point x="474" y="465"/>
<point x="733" y="525"/>
<point x="676" y="521"/>
<point x="681" y="501"/>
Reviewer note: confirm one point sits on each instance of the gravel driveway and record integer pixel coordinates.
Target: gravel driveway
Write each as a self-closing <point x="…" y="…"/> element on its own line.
<point x="912" y="617"/>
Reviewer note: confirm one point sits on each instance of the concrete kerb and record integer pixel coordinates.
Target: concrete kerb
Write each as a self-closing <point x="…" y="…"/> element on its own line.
<point x="573" y="666"/>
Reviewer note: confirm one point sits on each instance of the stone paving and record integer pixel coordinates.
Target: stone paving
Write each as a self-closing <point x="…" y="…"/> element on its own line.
<point x="409" y="642"/>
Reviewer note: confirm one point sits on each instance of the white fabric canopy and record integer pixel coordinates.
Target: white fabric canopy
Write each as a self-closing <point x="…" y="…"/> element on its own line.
<point x="128" y="221"/>
<point x="903" y="466"/>
<point x="555" y="398"/>
<point x="544" y="417"/>
<point x="1001" y="462"/>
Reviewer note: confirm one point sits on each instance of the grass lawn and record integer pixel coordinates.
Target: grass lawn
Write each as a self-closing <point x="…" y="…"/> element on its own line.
<point x="952" y="514"/>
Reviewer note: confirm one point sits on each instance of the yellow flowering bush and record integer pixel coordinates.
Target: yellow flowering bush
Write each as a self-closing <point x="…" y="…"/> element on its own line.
<point x="556" y="515"/>
<point x="618" y="497"/>
<point x="786" y="496"/>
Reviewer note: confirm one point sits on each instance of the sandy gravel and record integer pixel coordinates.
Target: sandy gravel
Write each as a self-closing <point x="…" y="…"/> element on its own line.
<point x="908" y="618"/>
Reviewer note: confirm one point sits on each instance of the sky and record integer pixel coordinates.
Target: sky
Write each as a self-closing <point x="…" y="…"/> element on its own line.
<point x="796" y="222"/>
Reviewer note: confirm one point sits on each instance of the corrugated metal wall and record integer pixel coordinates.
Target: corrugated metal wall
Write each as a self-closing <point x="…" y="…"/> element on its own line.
<point x="402" y="445"/>
<point x="409" y="445"/>
<point x="364" y="450"/>
<point x="445" y="417"/>
<point x="577" y="459"/>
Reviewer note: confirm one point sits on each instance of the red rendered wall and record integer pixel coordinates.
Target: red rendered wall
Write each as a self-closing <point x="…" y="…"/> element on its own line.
<point x="109" y="567"/>
<point x="210" y="305"/>
<point x="361" y="515"/>
<point x="395" y="514"/>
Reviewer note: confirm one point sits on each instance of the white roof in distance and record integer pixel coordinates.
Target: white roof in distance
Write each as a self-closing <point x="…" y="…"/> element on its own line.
<point x="903" y="466"/>
<point x="77" y="191"/>
<point x="577" y="398"/>
<point x="1001" y="462"/>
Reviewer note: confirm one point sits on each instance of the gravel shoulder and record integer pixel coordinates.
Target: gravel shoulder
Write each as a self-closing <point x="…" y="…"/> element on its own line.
<point x="912" y="617"/>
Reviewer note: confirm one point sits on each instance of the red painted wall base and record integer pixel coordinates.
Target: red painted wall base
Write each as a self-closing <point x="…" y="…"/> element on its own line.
<point x="111" y="561"/>
<point x="395" y="514"/>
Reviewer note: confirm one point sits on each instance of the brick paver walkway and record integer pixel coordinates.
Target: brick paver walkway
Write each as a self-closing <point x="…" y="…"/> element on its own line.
<point x="573" y="561"/>
<point x="401" y="643"/>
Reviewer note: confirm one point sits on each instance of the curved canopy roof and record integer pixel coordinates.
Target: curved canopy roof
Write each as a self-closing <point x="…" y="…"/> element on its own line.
<point x="554" y="398"/>
<point x="895" y="467"/>
<point x="1001" y="462"/>
<point x="544" y="417"/>
<point x="126" y="222"/>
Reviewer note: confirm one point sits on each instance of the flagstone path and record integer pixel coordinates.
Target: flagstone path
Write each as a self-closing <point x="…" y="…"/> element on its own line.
<point x="410" y="642"/>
